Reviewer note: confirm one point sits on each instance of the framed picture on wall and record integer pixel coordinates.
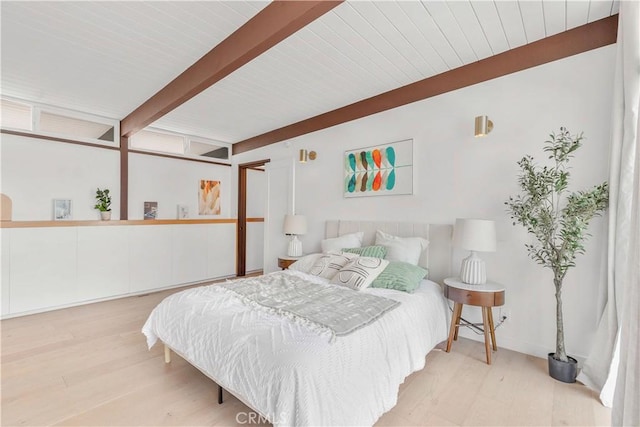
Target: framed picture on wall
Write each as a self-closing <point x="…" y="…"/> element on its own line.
<point x="62" y="210"/>
<point x="183" y="211"/>
<point x="209" y="197"/>
<point x="379" y="170"/>
<point x="150" y="210"/>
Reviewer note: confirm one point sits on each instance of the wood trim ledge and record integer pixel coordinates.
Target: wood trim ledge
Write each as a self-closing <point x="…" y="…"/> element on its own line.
<point x="98" y="223"/>
<point x="170" y="156"/>
<point x="56" y="139"/>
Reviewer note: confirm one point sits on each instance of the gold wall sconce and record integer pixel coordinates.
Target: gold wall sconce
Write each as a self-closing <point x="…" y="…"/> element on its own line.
<point x="483" y="126"/>
<point x="307" y="155"/>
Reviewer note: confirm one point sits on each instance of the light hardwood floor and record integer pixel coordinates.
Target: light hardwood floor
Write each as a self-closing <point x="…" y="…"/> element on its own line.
<point x="89" y="366"/>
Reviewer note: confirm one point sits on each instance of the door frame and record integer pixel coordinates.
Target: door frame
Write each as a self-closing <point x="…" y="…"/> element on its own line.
<point x="241" y="226"/>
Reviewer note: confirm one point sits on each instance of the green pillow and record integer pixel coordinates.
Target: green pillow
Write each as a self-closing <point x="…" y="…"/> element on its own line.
<point x="370" y="251"/>
<point x="400" y="276"/>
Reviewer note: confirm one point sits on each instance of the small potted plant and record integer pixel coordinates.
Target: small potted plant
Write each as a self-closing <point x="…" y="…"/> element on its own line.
<point x="559" y="223"/>
<point x="103" y="203"/>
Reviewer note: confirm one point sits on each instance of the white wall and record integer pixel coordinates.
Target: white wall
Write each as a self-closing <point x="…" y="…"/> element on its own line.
<point x="50" y="267"/>
<point x="457" y="175"/>
<point x="171" y="182"/>
<point x="35" y="171"/>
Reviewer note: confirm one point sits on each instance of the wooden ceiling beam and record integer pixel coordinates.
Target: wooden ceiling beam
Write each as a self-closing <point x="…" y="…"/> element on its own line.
<point x="581" y="39"/>
<point x="270" y="26"/>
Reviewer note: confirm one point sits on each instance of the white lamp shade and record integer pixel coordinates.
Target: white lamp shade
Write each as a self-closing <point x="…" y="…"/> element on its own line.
<point x="475" y="235"/>
<point x="295" y="224"/>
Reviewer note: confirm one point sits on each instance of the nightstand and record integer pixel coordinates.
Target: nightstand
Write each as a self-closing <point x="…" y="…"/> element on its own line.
<point x="285" y="261"/>
<point x="486" y="296"/>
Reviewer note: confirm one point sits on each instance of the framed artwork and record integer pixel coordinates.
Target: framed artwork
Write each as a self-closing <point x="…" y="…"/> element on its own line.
<point x="379" y="170"/>
<point x="209" y="197"/>
<point x="183" y="211"/>
<point x="62" y="210"/>
<point x="150" y="210"/>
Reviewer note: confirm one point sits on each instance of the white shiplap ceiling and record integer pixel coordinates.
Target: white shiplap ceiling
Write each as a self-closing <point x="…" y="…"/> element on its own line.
<point x="107" y="58"/>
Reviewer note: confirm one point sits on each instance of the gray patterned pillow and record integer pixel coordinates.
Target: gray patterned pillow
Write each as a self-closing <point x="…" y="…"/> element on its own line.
<point x="305" y="263"/>
<point x="360" y="272"/>
<point x="330" y="263"/>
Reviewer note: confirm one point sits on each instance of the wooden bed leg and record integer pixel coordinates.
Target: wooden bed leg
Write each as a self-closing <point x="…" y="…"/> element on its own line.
<point x="167" y="354"/>
<point x="219" y="395"/>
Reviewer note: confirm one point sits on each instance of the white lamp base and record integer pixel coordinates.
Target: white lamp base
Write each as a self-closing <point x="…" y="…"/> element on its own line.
<point x="295" y="246"/>
<point x="473" y="271"/>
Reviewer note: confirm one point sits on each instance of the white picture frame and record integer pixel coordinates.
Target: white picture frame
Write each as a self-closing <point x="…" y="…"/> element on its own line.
<point x="379" y="170"/>
<point x="62" y="210"/>
<point x="183" y="211"/>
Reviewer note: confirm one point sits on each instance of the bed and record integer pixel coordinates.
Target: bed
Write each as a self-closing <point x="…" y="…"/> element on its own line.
<point x="293" y="374"/>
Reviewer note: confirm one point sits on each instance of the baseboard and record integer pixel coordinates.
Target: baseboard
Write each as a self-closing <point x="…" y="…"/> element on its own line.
<point x="113" y="297"/>
<point x="524" y="347"/>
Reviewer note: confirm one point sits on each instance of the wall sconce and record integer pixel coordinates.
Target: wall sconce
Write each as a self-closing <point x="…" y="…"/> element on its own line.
<point x="483" y="126"/>
<point x="304" y="155"/>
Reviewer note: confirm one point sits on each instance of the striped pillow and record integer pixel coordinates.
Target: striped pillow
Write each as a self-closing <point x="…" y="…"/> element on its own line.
<point x="305" y="263"/>
<point x="330" y="263"/>
<point x="369" y="251"/>
<point x="360" y="272"/>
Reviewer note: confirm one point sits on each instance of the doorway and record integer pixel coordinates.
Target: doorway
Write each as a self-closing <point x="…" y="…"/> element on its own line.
<point x="245" y="182"/>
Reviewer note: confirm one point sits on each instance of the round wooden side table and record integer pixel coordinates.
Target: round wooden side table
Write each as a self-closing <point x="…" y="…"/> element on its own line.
<point x="285" y="261"/>
<point x="486" y="296"/>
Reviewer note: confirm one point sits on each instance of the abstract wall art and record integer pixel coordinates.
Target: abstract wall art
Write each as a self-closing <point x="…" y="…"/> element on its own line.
<point x="380" y="170"/>
<point x="209" y="197"/>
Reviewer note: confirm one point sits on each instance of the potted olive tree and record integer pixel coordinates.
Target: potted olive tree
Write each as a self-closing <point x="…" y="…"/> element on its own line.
<point x="103" y="203"/>
<point x="558" y="220"/>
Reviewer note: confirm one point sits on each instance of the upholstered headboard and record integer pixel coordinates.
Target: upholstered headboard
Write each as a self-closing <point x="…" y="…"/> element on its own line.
<point x="437" y="257"/>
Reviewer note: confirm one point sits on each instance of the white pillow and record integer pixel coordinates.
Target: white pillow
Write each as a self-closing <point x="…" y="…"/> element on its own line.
<point x="305" y="263"/>
<point x="353" y="240"/>
<point x="327" y="265"/>
<point x="360" y="272"/>
<point x="405" y="249"/>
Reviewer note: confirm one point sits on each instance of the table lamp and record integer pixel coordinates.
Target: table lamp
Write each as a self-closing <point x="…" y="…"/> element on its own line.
<point x="475" y="235"/>
<point x="295" y="225"/>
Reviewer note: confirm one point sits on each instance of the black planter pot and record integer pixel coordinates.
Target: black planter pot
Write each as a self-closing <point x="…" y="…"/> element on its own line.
<point x="563" y="371"/>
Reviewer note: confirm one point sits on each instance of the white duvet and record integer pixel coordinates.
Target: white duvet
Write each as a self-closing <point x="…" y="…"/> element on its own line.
<point x="291" y="375"/>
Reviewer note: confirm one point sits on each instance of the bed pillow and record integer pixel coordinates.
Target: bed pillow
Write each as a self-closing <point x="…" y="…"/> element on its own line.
<point x="359" y="273"/>
<point x="327" y="265"/>
<point x="353" y="240"/>
<point x="400" y="276"/>
<point x="370" y="251"/>
<point x="406" y="249"/>
<point x="305" y="263"/>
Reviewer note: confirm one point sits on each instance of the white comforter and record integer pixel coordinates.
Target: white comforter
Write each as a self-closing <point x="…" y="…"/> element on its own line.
<point x="292" y="375"/>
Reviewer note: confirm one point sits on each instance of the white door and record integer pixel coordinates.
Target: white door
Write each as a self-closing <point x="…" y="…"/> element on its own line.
<point x="280" y="176"/>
